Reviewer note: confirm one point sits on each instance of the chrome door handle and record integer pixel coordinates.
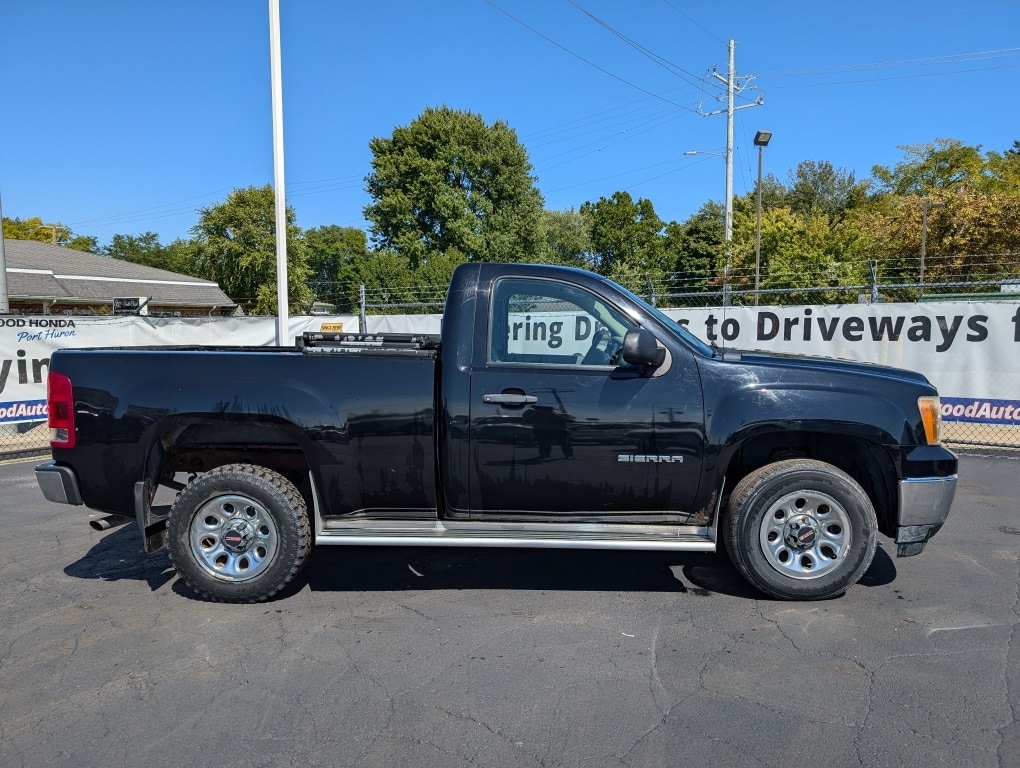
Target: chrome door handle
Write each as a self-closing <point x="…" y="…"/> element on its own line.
<point x="509" y="399"/>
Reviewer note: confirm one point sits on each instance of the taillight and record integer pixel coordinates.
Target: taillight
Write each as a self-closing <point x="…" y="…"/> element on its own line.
<point x="931" y="418"/>
<point x="60" y="405"/>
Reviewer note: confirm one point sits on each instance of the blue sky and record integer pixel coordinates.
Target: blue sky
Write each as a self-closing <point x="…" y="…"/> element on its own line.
<point x="126" y="117"/>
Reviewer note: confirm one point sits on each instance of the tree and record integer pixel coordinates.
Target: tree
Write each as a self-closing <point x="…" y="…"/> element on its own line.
<point x="86" y="243"/>
<point x="567" y="238"/>
<point x="626" y="239"/>
<point x="816" y="187"/>
<point x="799" y="251"/>
<point x="35" y="229"/>
<point x="941" y="164"/>
<point x="335" y="256"/>
<point x="1003" y="171"/>
<point x="334" y="252"/>
<point x="449" y="182"/>
<point x="695" y="249"/>
<point x="236" y="247"/>
<point x="145" y="249"/>
<point x="388" y="279"/>
<point x="968" y="232"/>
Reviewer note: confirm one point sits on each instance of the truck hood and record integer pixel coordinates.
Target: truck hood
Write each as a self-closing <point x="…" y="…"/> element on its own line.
<point x="806" y="364"/>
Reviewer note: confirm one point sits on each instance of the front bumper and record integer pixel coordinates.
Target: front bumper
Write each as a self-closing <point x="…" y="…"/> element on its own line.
<point x="57" y="483"/>
<point x="924" y="504"/>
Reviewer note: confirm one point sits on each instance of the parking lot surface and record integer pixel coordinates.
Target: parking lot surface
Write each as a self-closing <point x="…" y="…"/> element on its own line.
<point x="490" y="658"/>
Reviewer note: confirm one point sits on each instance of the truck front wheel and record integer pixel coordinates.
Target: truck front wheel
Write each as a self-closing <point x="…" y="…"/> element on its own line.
<point x="800" y="530"/>
<point x="239" y="533"/>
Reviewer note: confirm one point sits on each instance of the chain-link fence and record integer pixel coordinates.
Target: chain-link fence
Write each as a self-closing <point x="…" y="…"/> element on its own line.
<point x="969" y="278"/>
<point x="824" y="281"/>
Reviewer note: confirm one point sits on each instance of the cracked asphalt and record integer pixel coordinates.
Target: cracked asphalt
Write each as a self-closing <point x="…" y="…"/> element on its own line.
<point x="491" y="658"/>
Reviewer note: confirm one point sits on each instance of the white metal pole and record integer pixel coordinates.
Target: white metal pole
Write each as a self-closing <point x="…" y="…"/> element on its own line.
<point x="282" y="316"/>
<point x="5" y="306"/>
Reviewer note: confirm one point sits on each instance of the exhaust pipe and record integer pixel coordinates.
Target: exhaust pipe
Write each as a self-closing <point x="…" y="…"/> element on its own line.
<point x="108" y="522"/>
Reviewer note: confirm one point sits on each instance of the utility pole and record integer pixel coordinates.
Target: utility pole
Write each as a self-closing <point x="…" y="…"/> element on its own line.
<point x="732" y="89"/>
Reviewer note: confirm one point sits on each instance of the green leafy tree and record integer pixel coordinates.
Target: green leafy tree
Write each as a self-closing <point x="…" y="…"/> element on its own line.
<point x="567" y="238"/>
<point x="388" y="279"/>
<point x="236" y="247"/>
<point x="334" y="252"/>
<point x="1003" y="171"/>
<point x="86" y="243"/>
<point x="182" y="256"/>
<point x="145" y="249"/>
<point x="694" y="249"/>
<point x="817" y="187"/>
<point x="797" y="251"/>
<point x="450" y="182"/>
<point x="35" y="229"/>
<point x="941" y="164"/>
<point x="335" y="257"/>
<point x="627" y="242"/>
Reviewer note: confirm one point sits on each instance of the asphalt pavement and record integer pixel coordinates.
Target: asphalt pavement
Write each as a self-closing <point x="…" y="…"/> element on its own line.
<point x="444" y="657"/>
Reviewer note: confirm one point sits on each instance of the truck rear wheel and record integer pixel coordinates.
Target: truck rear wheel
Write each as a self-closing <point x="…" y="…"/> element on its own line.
<point x="239" y="533"/>
<point x="800" y="530"/>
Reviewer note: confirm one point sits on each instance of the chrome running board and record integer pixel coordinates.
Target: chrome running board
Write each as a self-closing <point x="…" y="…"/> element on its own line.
<point x="446" y="533"/>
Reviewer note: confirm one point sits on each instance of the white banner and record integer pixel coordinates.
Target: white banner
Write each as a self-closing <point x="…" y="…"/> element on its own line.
<point x="969" y="351"/>
<point x="26" y="343"/>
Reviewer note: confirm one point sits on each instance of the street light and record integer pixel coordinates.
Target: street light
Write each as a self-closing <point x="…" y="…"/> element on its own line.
<point x="761" y="140"/>
<point x="925" y="207"/>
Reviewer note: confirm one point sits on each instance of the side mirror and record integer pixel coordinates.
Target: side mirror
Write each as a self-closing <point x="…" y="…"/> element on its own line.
<point x="640" y="348"/>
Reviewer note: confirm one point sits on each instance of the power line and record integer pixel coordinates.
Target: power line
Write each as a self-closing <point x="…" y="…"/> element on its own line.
<point x="898" y="63"/>
<point x="662" y="62"/>
<point x="589" y="62"/>
<point x="909" y="20"/>
<point x="717" y="39"/>
<point x="892" y="77"/>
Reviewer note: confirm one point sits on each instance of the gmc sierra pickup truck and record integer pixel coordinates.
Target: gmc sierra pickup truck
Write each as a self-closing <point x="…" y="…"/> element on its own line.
<point x="556" y="409"/>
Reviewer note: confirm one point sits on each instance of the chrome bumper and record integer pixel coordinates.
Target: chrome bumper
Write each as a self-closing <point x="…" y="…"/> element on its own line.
<point x="926" y="500"/>
<point x="924" y="507"/>
<point x="57" y="483"/>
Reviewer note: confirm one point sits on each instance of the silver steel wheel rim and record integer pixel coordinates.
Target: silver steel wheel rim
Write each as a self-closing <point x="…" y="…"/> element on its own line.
<point x="805" y="535"/>
<point x="233" y="538"/>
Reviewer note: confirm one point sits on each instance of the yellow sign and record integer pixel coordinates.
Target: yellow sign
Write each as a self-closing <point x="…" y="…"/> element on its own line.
<point x="331" y="328"/>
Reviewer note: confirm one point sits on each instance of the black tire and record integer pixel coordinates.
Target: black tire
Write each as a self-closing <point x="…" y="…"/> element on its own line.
<point x="800" y="530"/>
<point x="239" y="533"/>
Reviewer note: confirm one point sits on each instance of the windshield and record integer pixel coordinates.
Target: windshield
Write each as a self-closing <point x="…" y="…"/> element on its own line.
<point x="667" y="321"/>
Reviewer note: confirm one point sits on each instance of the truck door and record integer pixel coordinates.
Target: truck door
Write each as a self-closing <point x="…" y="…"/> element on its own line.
<point x="561" y="429"/>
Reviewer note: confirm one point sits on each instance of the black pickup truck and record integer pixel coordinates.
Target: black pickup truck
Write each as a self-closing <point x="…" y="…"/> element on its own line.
<point x="556" y="409"/>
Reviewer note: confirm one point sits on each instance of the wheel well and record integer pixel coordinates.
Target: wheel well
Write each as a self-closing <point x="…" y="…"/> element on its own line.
<point x="865" y="462"/>
<point x="197" y="448"/>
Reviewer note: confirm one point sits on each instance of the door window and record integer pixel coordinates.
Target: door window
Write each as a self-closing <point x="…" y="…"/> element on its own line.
<point x="544" y="322"/>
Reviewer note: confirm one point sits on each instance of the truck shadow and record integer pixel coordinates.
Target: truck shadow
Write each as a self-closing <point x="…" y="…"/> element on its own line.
<point x="414" y="568"/>
<point x="373" y="569"/>
<point x="118" y="555"/>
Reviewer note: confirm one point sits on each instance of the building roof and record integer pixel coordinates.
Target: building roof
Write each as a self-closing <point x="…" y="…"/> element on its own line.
<point x="44" y="272"/>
